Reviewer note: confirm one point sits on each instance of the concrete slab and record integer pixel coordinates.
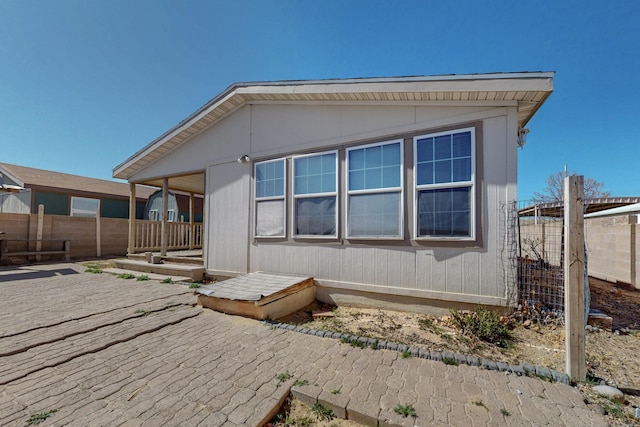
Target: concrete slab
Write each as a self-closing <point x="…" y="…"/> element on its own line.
<point x="152" y="276"/>
<point x="194" y="272"/>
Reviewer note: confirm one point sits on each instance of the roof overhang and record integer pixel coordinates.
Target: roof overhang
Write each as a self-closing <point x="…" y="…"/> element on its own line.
<point x="556" y="209"/>
<point x="527" y="90"/>
<point x="11" y="188"/>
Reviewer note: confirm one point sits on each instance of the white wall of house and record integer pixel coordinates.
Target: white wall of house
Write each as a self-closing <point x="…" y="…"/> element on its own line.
<point x="470" y="272"/>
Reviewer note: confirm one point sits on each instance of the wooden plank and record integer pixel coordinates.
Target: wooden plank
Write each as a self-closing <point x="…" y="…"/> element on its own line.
<point x="34" y="253"/>
<point x="574" y="304"/>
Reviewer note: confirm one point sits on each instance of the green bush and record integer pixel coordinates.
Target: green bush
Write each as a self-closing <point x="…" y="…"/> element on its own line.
<point x="485" y="325"/>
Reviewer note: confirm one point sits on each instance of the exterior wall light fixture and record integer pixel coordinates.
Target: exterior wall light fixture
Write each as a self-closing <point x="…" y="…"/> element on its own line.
<point x="522" y="136"/>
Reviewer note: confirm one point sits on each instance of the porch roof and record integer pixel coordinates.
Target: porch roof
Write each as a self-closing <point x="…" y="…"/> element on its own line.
<point x="526" y="90"/>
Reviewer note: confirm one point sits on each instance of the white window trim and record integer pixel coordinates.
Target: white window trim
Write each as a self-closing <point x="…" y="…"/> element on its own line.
<point x="154" y="215"/>
<point x="314" y="195"/>
<point x="467" y="184"/>
<point x="171" y="215"/>
<point x="376" y="191"/>
<point x="271" y="198"/>
<point x="94" y="214"/>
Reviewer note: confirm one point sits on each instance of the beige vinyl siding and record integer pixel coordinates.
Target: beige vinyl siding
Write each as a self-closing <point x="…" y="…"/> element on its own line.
<point x="447" y="272"/>
<point x="226" y="141"/>
<point x="227" y="221"/>
<point x="268" y="131"/>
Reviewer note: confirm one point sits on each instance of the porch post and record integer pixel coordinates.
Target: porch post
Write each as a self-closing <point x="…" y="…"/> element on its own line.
<point x="132" y="218"/>
<point x="191" y="220"/>
<point x="165" y="213"/>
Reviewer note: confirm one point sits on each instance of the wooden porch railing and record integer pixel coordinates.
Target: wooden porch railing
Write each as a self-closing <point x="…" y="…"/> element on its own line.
<point x="181" y="236"/>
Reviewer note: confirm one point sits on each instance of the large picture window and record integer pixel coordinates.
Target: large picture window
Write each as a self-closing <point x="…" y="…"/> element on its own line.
<point x="315" y="182"/>
<point x="374" y="191"/>
<point x="84" y="207"/>
<point x="444" y="184"/>
<point x="270" y="178"/>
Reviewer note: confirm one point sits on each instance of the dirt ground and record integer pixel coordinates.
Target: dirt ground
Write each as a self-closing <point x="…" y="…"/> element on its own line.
<point x="611" y="356"/>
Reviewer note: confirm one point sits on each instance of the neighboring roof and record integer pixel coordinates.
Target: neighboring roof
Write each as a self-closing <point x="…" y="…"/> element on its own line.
<point x="527" y="90"/>
<point x="30" y="177"/>
<point x="628" y="209"/>
<point x="554" y="209"/>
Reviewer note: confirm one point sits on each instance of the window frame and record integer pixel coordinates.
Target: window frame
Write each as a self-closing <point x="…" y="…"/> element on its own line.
<point x="400" y="190"/>
<point x="96" y="213"/>
<point x="334" y="194"/>
<point x="257" y="200"/>
<point x="470" y="184"/>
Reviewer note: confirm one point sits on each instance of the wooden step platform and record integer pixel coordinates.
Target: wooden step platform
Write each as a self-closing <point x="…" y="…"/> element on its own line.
<point x="258" y="295"/>
<point x="194" y="272"/>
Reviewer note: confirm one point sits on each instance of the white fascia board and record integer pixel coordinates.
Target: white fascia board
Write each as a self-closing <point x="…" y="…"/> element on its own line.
<point x="629" y="209"/>
<point x="185" y="124"/>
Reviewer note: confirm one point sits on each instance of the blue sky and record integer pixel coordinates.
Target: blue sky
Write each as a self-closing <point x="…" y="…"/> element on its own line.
<point x="86" y="83"/>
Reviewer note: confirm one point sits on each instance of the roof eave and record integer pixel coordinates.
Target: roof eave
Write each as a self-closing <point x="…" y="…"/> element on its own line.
<point x="437" y="83"/>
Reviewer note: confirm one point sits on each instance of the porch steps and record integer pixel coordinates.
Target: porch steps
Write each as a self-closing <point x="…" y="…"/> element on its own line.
<point x="173" y="258"/>
<point x="193" y="272"/>
<point x="258" y="295"/>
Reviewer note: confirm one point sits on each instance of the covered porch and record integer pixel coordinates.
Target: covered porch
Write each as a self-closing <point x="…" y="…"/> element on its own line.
<point x="171" y="233"/>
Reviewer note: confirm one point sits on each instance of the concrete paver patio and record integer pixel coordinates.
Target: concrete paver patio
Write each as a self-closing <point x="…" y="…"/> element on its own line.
<point x="105" y="351"/>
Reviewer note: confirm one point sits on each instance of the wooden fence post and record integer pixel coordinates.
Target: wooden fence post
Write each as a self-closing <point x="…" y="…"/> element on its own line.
<point x="98" y="233"/>
<point x="574" y="293"/>
<point x="39" y="231"/>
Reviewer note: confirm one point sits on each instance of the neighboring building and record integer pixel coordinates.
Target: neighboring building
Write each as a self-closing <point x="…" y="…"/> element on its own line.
<point x="385" y="190"/>
<point x="613" y="243"/>
<point x="178" y="209"/>
<point x="22" y="189"/>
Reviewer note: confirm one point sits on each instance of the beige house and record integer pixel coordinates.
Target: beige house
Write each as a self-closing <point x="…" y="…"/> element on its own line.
<point x="385" y="190"/>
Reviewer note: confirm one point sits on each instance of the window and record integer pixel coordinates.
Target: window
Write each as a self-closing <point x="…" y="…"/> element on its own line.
<point x="374" y="191"/>
<point x="444" y="184"/>
<point x="84" y="207"/>
<point x="315" y="182"/>
<point x="156" y="215"/>
<point x="270" y="195"/>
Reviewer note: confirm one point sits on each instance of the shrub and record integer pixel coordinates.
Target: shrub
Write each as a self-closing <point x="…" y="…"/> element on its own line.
<point x="485" y="325"/>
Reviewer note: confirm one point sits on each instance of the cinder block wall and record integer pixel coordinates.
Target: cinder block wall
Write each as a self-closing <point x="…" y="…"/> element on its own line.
<point x="613" y="246"/>
<point x="544" y="238"/>
<point x="80" y="231"/>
